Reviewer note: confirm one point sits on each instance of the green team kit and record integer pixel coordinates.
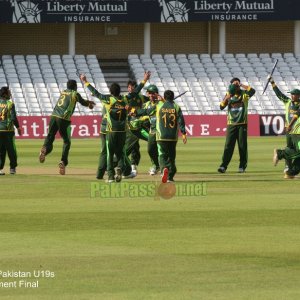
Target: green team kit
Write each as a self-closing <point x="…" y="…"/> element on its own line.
<point x="292" y="152"/>
<point x="60" y="121"/>
<point x="116" y="127"/>
<point x="136" y="130"/>
<point x="148" y="114"/>
<point x="169" y="119"/>
<point x="237" y="119"/>
<point x="8" y="119"/>
<point x="291" y="107"/>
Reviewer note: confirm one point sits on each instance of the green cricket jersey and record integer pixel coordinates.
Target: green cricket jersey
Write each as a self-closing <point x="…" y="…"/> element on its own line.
<point x="238" y="107"/>
<point x="290" y="106"/>
<point x="66" y="103"/>
<point x="116" y="108"/>
<point x="104" y="121"/>
<point x="135" y="103"/>
<point x="116" y="112"/>
<point x="296" y="126"/>
<point x="149" y="110"/>
<point x="169" y="118"/>
<point x="8" y="116"/>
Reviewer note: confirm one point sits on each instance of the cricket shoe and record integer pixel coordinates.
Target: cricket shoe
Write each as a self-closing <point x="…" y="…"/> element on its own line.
<point x="275" y="158"/>
<point x="62" y="168"/>
<point x="118" y="176"/>
<point x="287" y="176"/>
<point x="131" y="175"/>
<point x="42" y="155"/>
<point x="221" y="170"/>
<point x="285" y="169"/>
<point x="153" y="170"/>
<point x="110" y="180"/>
<point x="241" y="170"/>
<point x="2" y="173"/>
<point x="171" y="181"/>
<point x="165" y="174"/>
<point x="12" y="171"/>
<point x="134" y="169"/>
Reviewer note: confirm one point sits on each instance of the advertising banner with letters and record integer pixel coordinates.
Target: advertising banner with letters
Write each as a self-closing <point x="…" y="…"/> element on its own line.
<point x="34" y="127"/>
<point x="154" y="11"/>
<point x="272" y="124"/>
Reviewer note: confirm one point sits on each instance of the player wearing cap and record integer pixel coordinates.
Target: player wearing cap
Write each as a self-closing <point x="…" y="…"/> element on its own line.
<point x="291" y="105"/>
<point x="236" y="99"/>
<point x="149" y="111"/>
<point x="168" y="118"/>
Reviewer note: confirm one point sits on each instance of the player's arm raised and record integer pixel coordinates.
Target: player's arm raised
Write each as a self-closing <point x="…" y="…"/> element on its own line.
<point x="225" y="101"/>
<point x="103" y="98"/>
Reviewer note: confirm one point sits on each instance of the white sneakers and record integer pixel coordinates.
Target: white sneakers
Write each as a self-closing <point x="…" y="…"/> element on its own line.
<point x="131" y="175"/>
<point x="153" y="171"/>
<point x="11" y="171"/>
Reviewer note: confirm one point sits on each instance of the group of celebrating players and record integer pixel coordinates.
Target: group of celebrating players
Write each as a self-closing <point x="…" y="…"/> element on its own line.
<point x="153" y="118"/>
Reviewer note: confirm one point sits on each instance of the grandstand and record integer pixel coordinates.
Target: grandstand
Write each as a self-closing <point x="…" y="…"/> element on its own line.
<point x="36" y="80"/>
<point x="206" y="77"/>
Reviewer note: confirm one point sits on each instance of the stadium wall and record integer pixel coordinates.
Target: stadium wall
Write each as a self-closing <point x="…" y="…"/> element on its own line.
<point x="242" y="37"/>
<point x="196" y="126"/>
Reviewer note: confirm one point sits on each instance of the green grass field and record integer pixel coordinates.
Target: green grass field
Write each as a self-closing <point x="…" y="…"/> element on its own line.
<point x="239" y="241"/>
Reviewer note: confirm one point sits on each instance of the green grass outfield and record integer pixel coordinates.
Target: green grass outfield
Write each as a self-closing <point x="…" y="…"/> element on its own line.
<point x="239" y="241"/>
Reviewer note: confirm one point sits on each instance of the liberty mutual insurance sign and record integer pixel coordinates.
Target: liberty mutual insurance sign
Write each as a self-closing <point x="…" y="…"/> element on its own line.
<point x="234" y="11"/>
<point x="141" y="11"/>
<point x="87" y="11"/>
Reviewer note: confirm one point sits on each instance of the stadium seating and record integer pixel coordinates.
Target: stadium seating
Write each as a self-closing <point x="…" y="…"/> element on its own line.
<point x="205" y="77"/>
<point x="36" y="80"/>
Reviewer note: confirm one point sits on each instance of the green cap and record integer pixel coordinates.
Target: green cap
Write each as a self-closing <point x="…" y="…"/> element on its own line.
<point x="152" y="88"/>
<point x="295" y="92"/>
<point x="232" y="89"/>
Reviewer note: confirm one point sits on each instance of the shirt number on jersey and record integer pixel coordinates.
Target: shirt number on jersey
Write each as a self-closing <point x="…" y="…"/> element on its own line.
<point x="170" y="120"/>
<point x="61" y="100"/>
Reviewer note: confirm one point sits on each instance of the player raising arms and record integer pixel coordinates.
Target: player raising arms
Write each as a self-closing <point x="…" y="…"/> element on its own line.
<point x="117" y="113"/>
<point x="236" y="99"/>
<point x="291" y="105"/>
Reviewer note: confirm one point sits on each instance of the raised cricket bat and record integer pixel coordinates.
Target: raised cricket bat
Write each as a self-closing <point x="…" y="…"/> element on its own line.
<point x="180" y="95"/>
<point x="270" y="75"/>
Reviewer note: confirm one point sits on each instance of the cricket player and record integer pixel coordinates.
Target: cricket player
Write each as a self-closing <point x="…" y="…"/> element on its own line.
<point x="236" y="99"/>
<point x="102" y="166"/>
<point x="148" y="112"/>
<point x="136" y="131"/>
<point x="61" y="121"/>
<point x="169" y="118"/>
<point x="291" y="105"/>
<point x="2" y="159"/>
<point x="291" y="153"/>
<point x="117" y="114"/>
<point x="8" y="120"/>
